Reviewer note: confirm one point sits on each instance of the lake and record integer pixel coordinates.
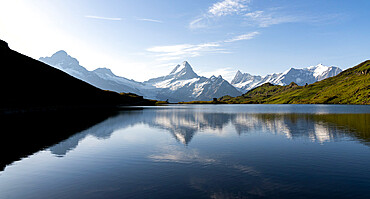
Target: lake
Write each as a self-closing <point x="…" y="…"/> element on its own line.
<point x="204" y="151"/>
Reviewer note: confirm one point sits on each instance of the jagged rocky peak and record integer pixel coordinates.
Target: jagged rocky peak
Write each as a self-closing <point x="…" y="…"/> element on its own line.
<point x="241" y="77"/>
<point x="184" y="70"/>
<point x="238" y="76"/>
<point x="104" y="71"/>
<point x="215" y="79"/>
<point x="184" y="66"/>
<point x="62" y="58"/>
<point x="219" y="78"/>
<point x="175" y="69"/>
<point x="317" y="66"/>
<point x="301" y="76"/>
<point x="60" y="53"/>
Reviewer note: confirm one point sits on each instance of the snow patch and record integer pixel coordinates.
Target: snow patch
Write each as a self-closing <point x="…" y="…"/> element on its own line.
<point x="320" y="70"/>
<point x="177" y="69"/>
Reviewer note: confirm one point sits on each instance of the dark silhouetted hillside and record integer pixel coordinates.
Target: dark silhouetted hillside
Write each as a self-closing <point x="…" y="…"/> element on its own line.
<point x="28" y="84"/>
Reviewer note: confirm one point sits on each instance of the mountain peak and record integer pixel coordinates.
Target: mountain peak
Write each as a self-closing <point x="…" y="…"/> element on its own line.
<point x="289" y="70"/>
<point x="62" y="60"/>
<point x="104" y="71"/>
<point x="214" y="78"/>
<point x="61" y="54"/>
<point x="184" y="70"/>
<point x="240" y="77"/>
<point x="317" y="66"/>
<point x="178" y="67"/>
<point x="175" y="70"/>
<point x="186" y="63"/>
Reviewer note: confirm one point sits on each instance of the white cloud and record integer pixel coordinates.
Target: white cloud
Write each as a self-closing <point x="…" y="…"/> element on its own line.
<point x="150" y="20"/>
<point x="259" y="18"/>
<point x="183" y="51"/>
<point x="243" y="37"/>
<point x="103" y="18"/>
<point x="198" y="23"/>
<point x="219" y="9"/>
<point x="227" y="7"/>
<point x="264" y="19"/>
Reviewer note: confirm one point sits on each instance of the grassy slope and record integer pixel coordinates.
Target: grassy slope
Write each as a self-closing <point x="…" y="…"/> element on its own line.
<point x="203" y="102"/>
<point x="352" y="86"/>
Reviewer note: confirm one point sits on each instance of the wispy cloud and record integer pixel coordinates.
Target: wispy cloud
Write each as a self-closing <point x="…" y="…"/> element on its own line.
<point x="243" y="37"/>
<point x="150" y="20"/>
<point x="242" y="8"/>
<point x="104" y="18"/>
<point x="200" y="22"/>
<point x="184" y="51"/>
<point x="219" y="9"/>
<point x="266" y="19"/>
<point x="228" y="7"/>
<point x="181" y="51"/>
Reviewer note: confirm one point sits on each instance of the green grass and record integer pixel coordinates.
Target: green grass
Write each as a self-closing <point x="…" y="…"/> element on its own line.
<point x="203" y="102"/>
<point x="161" y="103"/>
<point x="352" y="86"/>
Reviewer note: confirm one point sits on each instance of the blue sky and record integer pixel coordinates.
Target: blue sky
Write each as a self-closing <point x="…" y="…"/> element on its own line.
<point x="146" y="38"/>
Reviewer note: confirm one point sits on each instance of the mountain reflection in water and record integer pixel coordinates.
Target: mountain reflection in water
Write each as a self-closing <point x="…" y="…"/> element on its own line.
<point x="195" y="151"/>
<point x="184" y="124"/>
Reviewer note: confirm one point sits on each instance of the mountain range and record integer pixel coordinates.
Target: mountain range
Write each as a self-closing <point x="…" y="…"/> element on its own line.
<point x="185" y="125"/>
<point x="309" y="75"/>
<point x="351" y="86"/>
<point x="182" y="83"/>
<point x="102" y="78"/>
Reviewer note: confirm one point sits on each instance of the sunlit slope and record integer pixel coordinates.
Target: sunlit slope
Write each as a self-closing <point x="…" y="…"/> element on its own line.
<point x="351" y="86"/>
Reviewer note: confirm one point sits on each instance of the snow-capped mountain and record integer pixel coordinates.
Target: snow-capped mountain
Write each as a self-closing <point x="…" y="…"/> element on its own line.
<point x="102" y="78"/>
<point x="309" y="75"/>
<point x="183" y="84"/>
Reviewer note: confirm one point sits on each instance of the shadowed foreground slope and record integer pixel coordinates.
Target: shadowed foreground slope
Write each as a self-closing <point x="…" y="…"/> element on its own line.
<point x="27" y="84"/>
<point x="41" y="106"/>
<point x="26" y="133"/>
<point x="351" y="86"/>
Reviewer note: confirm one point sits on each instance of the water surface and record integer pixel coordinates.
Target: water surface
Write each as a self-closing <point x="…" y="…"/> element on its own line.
<point x="205" y="151"/>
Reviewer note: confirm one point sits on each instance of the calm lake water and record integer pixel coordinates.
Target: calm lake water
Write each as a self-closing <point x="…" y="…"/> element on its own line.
<point x="205" y="151"/>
